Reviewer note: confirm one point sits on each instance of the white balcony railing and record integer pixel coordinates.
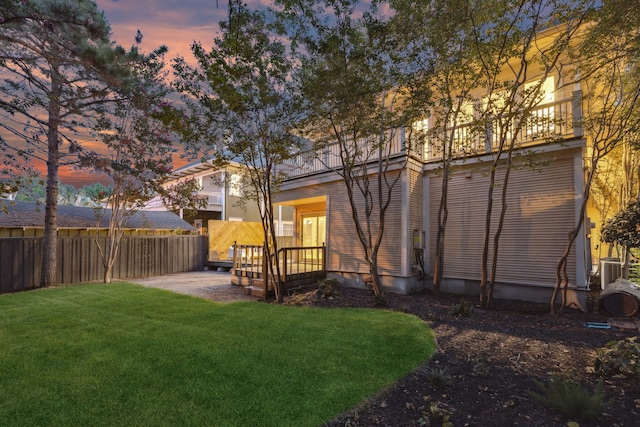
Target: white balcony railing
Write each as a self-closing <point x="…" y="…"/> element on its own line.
<point x="545" y="123"/>
<point x="329" y="157"/>
<point x="211" y="198"/>
<point x="215" y="199"/>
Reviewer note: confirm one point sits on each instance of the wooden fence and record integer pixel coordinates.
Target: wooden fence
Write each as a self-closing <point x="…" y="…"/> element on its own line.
<point x="224" y="234"/>
<point x="79" y="259"/>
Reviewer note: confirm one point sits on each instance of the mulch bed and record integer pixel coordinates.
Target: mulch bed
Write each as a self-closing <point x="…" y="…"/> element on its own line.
<point x="486" y="364"/>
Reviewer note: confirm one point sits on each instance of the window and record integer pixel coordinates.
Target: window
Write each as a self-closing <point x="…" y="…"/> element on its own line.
<point x="235" y="185"/>
<point x="287" y="228"/>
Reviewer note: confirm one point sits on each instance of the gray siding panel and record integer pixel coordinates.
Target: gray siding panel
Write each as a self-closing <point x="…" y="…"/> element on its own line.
<point x="345" y="253"/>
<point x="415" y="211"/>
<point x="540" y="213"/>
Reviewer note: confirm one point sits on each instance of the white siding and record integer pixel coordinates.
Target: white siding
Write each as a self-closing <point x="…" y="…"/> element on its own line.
<point x="345" y="253"/>
<point x="540" y="213"/>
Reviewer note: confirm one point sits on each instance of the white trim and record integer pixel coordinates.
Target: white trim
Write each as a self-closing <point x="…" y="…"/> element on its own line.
<point x="539" y="149"/>
<point x="580" y="242"/>
<point x="405" y="266"/>
<point x="328" y="175"/>
<point x="426" y="221"/>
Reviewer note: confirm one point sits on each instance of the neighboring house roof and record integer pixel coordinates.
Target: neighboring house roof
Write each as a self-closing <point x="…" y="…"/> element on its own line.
<point x="200" y="166"/>
<point x="28" y="214"/>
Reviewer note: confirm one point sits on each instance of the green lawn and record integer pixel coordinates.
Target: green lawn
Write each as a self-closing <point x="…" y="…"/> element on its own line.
<point x="122" y="354"/>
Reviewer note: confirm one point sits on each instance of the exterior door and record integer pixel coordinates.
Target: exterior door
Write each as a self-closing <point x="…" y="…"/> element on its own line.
<point x="314" y="229"/>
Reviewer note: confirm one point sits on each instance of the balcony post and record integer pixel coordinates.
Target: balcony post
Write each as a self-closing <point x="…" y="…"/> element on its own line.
<point x="576" y="109"/>
<point x="488" y="141"/>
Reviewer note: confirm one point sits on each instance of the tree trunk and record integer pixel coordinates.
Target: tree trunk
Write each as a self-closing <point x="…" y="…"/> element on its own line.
<point x="50" y="240"/>
<point x="443" y="214"/>
<point x="484" y="291"/>
<point x="562" y="280"/>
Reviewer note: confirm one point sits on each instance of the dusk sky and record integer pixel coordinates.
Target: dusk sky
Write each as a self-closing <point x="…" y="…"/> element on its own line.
<point x="173" y="23"/>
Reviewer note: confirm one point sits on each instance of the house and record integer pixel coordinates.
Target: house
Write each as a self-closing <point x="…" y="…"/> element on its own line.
<point x="224" y="196"/>
<point x="26" y="219"/>
<point x="543" y="206"/>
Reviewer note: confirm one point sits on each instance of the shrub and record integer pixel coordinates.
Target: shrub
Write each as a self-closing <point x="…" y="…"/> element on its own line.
<point x="439" y="376"/>
<point x="570" y="398"/>
<point x="435" y="415"/>
<point x="623" y="227"/>
<point x="327" y="288"/>
<point x="619" y="357"/>
<point x="463" y="308"/>
<point x="380" y="301"/>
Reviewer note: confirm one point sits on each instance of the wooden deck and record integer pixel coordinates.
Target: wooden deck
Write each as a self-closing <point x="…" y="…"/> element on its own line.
<point x="300" y="268"/>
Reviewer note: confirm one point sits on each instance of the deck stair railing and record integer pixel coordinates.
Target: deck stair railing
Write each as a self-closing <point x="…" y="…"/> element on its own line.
<point x="297" y="264"/>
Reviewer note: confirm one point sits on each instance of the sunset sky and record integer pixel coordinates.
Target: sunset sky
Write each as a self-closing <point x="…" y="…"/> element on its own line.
<point x="173" y="23"/>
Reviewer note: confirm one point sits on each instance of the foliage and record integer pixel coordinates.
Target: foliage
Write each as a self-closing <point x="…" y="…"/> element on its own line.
<point x="355" y="87"/>
<point x="439" y="376"/>
<point x="435" y="415"/>
<point x="624" y="227"/>
<point x="243" y="105"/>
<point x="327" y="288"/>
<point x="462" y="308"/>
<point x="30" y="189"/>
<point x="570" y="398"/>
<point x="59" y="67"/>
<point x="129" y="355"/>
<point x="619" y="357"/>
<point x="96" y="191"/>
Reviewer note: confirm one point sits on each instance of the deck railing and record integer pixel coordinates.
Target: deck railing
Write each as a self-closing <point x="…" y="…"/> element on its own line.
<point x="329" y="157"/>
<point x="249" y="261"/>
<point x="552" y="121"/>
<point x="548" y="122"/>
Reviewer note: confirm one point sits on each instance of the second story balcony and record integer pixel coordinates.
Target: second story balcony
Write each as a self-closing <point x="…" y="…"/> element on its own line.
<point x="544" y="124"/>
<point x="214" y="200"/>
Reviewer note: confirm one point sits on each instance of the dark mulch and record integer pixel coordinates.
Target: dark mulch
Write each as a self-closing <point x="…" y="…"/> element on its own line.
<point x="491" y="360"/>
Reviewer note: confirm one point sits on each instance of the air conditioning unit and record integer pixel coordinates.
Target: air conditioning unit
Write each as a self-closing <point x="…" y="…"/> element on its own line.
<point x="215" y="199"/>
<point x="610" y="271"/>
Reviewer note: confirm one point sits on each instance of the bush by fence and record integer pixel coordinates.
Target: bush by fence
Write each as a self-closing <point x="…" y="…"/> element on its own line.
<point x="79" y="259"/>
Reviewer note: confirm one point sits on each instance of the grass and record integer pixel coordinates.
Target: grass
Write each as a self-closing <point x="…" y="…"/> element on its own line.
<point x="122" y="354"/>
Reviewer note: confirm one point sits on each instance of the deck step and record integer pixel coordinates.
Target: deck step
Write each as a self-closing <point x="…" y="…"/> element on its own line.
<point x="256" y="291"/>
